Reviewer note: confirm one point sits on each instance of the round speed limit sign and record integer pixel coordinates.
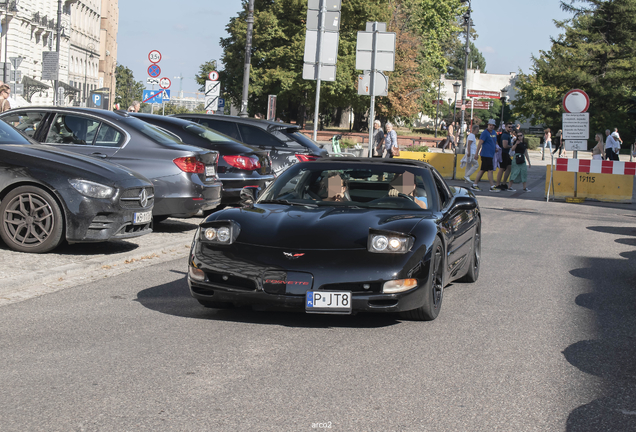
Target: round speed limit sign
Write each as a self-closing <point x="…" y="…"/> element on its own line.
<point x="154" y="56"/>
<point x="214" y="76"/>
<point x="164" y="83"/>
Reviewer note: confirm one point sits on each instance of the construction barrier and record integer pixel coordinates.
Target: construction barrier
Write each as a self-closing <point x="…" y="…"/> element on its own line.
<point x="609" y="181"/>
<point x="461" y="172"/>
<point x="443" y="162"/>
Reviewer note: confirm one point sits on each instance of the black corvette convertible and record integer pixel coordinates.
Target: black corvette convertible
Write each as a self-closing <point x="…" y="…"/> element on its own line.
<point x="341" y="236"/>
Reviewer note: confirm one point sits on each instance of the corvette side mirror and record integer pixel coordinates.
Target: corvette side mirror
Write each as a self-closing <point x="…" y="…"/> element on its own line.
<point x="464" y="203"/>
<point x="249" y="194"/>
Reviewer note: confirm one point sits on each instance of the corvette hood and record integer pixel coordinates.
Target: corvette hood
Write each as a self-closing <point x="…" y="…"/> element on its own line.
<point x="306" y="228"/>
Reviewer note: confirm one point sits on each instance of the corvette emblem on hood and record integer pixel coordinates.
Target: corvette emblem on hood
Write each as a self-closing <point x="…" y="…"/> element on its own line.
<point x="290" y="255"/>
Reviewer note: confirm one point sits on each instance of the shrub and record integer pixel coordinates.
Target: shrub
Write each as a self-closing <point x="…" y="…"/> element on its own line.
<point x="347" y="143"/>
<point x="533" y="142"/>
<point x="428" y="131"/>
<point x="415" y="148"/>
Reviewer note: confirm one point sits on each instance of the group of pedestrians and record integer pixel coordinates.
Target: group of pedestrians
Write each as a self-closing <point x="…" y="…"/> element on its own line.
<point x="559" y="144"/>
<point x="384" y="146"/>
<point x="509" y="156"/>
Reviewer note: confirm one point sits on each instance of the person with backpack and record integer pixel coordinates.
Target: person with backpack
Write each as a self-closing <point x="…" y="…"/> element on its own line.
<point x="519" y="170"/>
<point x="504" y="167"/>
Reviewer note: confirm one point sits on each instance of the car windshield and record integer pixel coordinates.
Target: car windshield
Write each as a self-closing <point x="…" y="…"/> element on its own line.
<point x="206" y="133"/>
<point x="8" y="135"/>
<point x="152" y="132"/>
<point x="368" y="186"/>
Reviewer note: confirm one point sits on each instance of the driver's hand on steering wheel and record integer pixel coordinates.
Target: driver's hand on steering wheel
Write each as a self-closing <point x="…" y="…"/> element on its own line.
<point x="393" y="193"/>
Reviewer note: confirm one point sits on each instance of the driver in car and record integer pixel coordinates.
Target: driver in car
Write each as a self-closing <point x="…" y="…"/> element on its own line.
<point x="404" y="184"/>
<point x="337" y="189"/>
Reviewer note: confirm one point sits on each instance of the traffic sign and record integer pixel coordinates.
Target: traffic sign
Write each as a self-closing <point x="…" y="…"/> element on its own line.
<point x="213" y="75"/>
<point x="576" y="126"/>
<point x="221" y="103"/>
<point x="576" y="101"/>
<point x="576" y="145"/>
<point x="15" y="61"/>
<point x="152" y="81"/>
<point x="97" y="100"/>
<point x="154" y="56"/>
<point x="384" y="50"/>
<point x="211" y="103"/>
<point x="212" y="88"/>
<point x="381" y="84"/>
<point x="165" y="95"/>
<point x="164" y="83"/>
<point x="154" y="70"/>
<point x="152" y="96"/>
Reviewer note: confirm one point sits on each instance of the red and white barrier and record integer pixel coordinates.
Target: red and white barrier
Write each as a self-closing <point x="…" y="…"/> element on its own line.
<point x="595" y="166"/>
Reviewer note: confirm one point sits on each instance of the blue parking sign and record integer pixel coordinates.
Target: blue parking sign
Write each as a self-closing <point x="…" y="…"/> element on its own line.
<point x="221" y="103"/>
<point x="97" y="100"/>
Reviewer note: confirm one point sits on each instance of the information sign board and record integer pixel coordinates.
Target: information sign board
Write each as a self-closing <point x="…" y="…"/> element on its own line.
<point x="50" y="65"/>
<point x="483" y="94"/>
<point x="385" y="51"/>
<point x="576" y="145"/>
<point x="152" y="96"/>
<point x="576" y="126"/>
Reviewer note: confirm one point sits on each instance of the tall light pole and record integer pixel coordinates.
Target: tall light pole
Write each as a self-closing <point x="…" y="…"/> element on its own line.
<point x="456" y="86"/>
<point x="89" y="48"/>
<point x="468" y="22"/>
<point x="439" y="89"/>
<point x="248" y="58"/>
<point x="504" y="96"/>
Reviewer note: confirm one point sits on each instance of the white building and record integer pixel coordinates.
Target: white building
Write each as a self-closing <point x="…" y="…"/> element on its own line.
<point x="30" y="27"/>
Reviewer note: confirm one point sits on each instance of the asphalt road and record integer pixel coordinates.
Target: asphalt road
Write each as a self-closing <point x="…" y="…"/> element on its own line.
<point x="545" y="340"/>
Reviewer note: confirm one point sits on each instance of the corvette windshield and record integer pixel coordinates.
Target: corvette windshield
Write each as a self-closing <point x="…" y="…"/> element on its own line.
<point x="369" y="187"/>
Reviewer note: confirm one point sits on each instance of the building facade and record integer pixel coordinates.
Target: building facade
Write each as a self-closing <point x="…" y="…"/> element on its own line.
<point x="31" y="28"/>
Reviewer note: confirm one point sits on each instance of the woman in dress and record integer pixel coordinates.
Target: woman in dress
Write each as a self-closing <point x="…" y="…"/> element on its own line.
<point x="519" y="170"/>
<point x="597" y="151"/>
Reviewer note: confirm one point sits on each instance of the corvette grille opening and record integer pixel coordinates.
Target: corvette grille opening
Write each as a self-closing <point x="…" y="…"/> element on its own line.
<point x="375" y="287"/>
<point x="229" y="281"/>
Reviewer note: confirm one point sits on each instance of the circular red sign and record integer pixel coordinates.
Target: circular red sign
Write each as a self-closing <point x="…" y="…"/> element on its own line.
<point x="154" y="56"/>
<point x="576" y="101"/>
<point x="213" y="75"/>
<point x="165" y="83"/>
<point x="154" y="70"/>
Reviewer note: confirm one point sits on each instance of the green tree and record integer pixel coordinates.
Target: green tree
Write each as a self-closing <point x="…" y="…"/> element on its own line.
<point x="126" y="88"/>
<point x="596" y="53"/>
<point x="456" y="61"/>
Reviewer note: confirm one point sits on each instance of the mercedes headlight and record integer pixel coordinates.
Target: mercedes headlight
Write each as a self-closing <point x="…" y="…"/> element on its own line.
<point x="92" y="189"/>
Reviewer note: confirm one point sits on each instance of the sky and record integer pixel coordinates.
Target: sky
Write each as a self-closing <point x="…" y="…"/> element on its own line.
<point x="187" y="34"/>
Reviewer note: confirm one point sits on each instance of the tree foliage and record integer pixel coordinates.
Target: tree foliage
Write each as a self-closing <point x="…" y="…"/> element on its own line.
<point x="423" y="27"/>
<point x="457" y="58"/>
<point x="596" y="53"/>
<point x="126" y="88"/>
<point x="204" y="72"/>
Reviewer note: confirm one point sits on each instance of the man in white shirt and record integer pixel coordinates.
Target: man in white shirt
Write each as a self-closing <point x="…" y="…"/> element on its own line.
<point x="611" y="147"/>
<point x="616" y="136"/>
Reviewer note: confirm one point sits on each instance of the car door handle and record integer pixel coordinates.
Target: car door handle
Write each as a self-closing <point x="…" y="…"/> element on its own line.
<point x="101" y="155"/>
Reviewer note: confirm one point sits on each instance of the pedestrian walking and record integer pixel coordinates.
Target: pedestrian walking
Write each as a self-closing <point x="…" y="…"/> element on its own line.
<point x="519" y="170"/>
<point x="472" y="164"/>
<point x="597" y="151"/>
<point x="547" y="142"/>
<point x="633" y="152"/>
<point x="378" y="139"/>
<point x="505" y="165"/>
<point x="390" y="141"/>
<point x="559" y="144"/>
<point x="617" y="137"/>
<point x="486" y="148"/>
<point x="450" y="139"/>
<point x="5" y="92"/>
<point x="134" y="107"/>
<point x="612" y="147"/>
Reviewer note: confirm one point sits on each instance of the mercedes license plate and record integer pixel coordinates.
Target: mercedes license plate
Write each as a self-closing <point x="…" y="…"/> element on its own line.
<point x="210" y="171"/>
<point x="142" y="217"/>
<point x="328" y="302"/>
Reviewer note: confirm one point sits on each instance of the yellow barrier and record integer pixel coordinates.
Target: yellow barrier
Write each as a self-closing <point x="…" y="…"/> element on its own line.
<point x="601" y="187"/>
<point x="461" y="172"/>
<point x="443" y="162"/>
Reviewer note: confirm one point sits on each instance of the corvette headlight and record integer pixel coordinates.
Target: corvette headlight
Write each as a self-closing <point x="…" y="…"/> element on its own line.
<point x="388" y="242"/>
<point x="92" y="189"/>
<point x="396" y="286"/>
<point x="219" y="232"/>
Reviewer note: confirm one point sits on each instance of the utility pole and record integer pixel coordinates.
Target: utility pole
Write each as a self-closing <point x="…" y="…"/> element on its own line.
<point x="58" y="26"/>
<point x="248" y="58"/>
<point x="439" y="90"/>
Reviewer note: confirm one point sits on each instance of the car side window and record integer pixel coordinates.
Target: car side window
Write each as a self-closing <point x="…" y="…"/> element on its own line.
<point x="257" y="136"/>
<point x="25" y="121"/>
<point x="108" y="136"/>
<point x="72" y="129"/>
<point x="226" y="128"/>
<point x="444" y="195"/>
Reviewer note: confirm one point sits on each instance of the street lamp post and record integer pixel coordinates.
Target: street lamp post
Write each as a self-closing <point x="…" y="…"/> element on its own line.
<point x="468" y="22"/>
<point x="439" y="89"/>
<point x="90" y="47"/>
<point x="248" y="58"/>
<point x="504" y="94"/>
<point x="456" y="86"/>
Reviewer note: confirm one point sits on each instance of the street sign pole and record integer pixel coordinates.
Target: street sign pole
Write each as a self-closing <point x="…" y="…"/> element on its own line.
<point x="248" y="58"/>
<point x="321" y="31"/>
<point x="372" y="87"/>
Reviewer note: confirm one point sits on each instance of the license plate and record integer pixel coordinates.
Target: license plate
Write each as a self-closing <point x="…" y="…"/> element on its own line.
<point x="210" y="171"/>
<point x="328" y="302"/>
<point x="142" y="218"/>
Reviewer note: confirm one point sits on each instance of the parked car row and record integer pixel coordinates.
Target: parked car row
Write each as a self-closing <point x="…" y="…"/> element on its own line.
<point x="69" y="175"/>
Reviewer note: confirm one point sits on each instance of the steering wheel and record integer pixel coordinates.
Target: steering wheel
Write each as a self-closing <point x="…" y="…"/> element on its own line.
<point x="313" y="195"/>
<point x="401" y="195"/>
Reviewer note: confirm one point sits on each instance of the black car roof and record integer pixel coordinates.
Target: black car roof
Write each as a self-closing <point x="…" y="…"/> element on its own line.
<point x="265" y="124"/>
<point x="105" y="113"/>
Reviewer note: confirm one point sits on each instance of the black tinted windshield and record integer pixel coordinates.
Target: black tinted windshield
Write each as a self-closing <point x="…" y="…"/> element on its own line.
<point x="153" y="132"/>
<point x="385" y="187"/>
<point x="8" y="135"/>
<point x="206" y="133"/>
